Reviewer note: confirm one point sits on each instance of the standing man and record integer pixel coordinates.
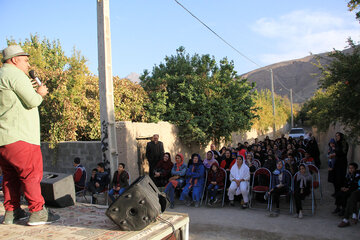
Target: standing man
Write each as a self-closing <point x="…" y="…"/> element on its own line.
<point x="79" y="175"/>
<point x="20" y="153"/>
<point x="154" y="153"/>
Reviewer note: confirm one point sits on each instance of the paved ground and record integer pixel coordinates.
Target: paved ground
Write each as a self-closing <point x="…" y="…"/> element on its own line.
<point x="236" y="223"/>
<point x="205" y="223"/>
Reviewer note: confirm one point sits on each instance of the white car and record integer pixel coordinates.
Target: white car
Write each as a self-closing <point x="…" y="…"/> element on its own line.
<point x="297" y="132"/>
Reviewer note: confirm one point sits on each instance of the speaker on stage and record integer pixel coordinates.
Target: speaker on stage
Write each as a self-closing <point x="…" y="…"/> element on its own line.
<point x="58" y="189"/>
<point x="138" y="206"/>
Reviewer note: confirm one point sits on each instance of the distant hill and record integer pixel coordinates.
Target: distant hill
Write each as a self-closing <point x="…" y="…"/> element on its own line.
<point x="300" y="74"/>
<point x="134" y="77"/>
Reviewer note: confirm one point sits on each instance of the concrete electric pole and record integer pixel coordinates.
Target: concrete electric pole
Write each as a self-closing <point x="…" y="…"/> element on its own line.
<point x="292" y="114"/>
<point x="273" y="100"/>
<point x="107" y="114"/>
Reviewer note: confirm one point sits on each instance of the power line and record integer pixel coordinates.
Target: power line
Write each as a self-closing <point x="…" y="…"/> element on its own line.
<point x="218" y="35"/>
<point x="227" y="43"/>
<point x="282" y="84"/>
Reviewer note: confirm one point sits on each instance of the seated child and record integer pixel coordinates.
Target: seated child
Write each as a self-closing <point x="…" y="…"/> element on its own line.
<point x="120" y="182"/>
<point x="215" y="181"/>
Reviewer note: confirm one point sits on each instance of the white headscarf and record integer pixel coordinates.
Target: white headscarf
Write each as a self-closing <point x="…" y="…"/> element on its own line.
<point x="242" y="173"/>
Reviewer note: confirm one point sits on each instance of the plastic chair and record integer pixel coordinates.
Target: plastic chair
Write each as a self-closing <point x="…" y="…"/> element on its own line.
<point x="316" y="183"/>
<point x="302" y="152"/>
<point x="204" y="187"/>
<point x="223" y="189"/>
<point x="82" y="192"/>
<point x="289" y="194"/>
<point x="264" y="172"/>
<point x="313" y="202"/>
<point x="258" y="163"/>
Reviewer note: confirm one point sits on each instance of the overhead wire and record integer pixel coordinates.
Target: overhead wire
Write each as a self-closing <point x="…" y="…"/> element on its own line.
<point x="231" y="46"/>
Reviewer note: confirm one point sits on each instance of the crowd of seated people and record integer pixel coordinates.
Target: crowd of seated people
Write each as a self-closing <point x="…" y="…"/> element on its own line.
<point x="283" y="157"/>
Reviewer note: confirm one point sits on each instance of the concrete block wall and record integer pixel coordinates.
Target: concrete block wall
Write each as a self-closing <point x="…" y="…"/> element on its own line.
<point x="130" y="135"/>
<point x="61" y="159"/>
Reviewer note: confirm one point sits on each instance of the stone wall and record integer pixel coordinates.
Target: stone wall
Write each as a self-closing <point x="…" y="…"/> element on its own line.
<point x="323" y="139"/>
<point x="61" y="159"/>
<point x="131" y="140"/>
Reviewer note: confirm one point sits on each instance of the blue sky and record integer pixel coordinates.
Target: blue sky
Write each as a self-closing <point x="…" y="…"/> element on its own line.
<point x="143" y="32"/>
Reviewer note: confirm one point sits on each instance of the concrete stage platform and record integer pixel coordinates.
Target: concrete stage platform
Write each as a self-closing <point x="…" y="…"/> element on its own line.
<point x="86" y="221"/>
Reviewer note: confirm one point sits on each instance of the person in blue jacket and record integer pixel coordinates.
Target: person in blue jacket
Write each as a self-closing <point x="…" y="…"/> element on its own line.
<point x="194" y="181"/>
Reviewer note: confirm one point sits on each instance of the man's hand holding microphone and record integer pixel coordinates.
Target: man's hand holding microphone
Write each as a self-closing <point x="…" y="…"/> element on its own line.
<point x="42" y="90"/>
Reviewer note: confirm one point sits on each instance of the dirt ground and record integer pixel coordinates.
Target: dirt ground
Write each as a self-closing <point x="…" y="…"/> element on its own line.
<point x="235" y="223"/>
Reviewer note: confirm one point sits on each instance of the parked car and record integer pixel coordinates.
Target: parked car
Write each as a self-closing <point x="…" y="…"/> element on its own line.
<point x="297" y="132"/>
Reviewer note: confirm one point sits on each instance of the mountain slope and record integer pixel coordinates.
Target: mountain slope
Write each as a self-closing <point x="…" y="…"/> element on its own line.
<point x="300" y="74"/>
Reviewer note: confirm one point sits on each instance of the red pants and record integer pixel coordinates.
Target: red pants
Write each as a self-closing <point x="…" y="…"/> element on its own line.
<point x="22" y="167"/>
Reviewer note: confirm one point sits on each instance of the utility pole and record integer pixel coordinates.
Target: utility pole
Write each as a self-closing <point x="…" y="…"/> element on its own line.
<point x="273" y="100"/>
<point x="106" y="93"/>
<point x="292" y="114"/>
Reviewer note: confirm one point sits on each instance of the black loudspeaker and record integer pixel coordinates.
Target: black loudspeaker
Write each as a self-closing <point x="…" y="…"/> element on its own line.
<point x="58" y="189"/>
<point x="138" y="206"/>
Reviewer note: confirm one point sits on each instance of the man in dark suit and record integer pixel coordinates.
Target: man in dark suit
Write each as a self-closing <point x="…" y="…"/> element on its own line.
<point x="154" y="153"/>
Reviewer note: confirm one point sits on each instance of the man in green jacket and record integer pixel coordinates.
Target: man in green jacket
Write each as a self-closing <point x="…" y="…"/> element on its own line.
<point x="20" y="153"/>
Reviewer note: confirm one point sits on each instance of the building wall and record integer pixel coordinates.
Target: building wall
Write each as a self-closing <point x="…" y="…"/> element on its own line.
<point x="323" y="139"/>
<point x="131" y="136"/>
<point x="61" y="159"/>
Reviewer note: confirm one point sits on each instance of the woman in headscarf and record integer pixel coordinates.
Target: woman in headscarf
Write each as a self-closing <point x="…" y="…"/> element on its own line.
<point x="209" y="160"/>
<point x="194" y="181"/>
<point x="279" y="185"/>
<point x="340" y="166"/>
<point x="228" y="161"/>
<point x="162" y="170"/>
<point x="239" y="177"/>
<point x="302" y="188"/>
<point x="177" y="180"/>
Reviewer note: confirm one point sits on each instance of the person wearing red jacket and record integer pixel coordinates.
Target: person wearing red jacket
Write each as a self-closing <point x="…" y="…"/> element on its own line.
<point x="215" y="181"/>
<point x="79" y="175"/>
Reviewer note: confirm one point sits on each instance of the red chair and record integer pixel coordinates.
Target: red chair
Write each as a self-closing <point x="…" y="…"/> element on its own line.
<point x="257" y="163"/>
<point x="259" y="187"/>
<point x="316" y="182"/>
<point x="302" y="152"/>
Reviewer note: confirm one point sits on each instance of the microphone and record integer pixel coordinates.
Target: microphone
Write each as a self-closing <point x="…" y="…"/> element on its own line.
<point x="33" y="76"/>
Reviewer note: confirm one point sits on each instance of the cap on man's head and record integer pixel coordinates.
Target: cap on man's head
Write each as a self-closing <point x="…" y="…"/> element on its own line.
<point x="13" y="51"/>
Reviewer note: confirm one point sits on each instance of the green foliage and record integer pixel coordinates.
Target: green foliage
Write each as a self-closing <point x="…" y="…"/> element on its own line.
<point x="339" y="99"/>
<point x="354" y="5"/>
<point x="129" y="99"/>
<point x="206" y="100"/>
<point x="71" y="110"/>
<point x="264" y="104"/>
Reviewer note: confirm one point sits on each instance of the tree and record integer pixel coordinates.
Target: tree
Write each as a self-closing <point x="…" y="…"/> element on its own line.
<point x="206" y="100"/>
<point x="354" y="5"/>
<point x="339" y="97"/>
<point x="265" y="111"/>
<point x="71" y="110"/>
